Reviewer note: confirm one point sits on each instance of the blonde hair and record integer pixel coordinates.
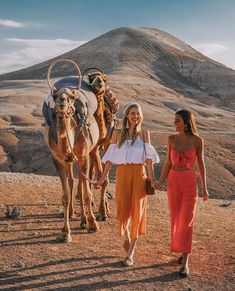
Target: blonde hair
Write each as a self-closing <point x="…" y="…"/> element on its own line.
<point x="125" y="128"/>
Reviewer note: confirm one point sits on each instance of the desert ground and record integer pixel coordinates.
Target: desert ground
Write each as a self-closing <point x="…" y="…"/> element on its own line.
<point x="32" y="258"/>
<point x="163" y="74"/>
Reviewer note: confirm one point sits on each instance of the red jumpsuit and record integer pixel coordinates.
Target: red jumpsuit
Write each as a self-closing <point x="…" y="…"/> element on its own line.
<point x="182" y="199"/>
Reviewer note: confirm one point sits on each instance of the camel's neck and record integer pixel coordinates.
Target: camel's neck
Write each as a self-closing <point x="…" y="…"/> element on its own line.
<point x="63" y="124"/>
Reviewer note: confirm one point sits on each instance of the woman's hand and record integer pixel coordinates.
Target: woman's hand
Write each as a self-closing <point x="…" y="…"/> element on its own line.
<point x="153" y="183"/>
<point x="205" y="194"/>
<point x="159" y="186"/>
<point x="99" y="183"/>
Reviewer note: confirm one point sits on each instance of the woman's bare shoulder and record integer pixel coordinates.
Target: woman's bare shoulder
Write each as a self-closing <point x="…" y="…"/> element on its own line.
<point x="198" y="140"/>
<point x="145" y="135"/>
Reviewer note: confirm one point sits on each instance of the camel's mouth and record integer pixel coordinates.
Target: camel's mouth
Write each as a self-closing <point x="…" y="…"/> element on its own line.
<point x="98" y="89"/>
<point x="61" y="108"/>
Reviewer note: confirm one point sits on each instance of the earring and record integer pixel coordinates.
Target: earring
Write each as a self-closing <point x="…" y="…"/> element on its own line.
<point x="138" y="127"/>
<point x="127" y="124"/>
<point x="186" y="128"/>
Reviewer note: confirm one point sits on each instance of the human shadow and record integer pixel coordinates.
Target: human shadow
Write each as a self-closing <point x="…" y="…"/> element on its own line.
<point x="97" y="271"/>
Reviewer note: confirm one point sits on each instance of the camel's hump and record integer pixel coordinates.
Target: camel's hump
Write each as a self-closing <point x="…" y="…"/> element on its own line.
<point x="72" y="83"/>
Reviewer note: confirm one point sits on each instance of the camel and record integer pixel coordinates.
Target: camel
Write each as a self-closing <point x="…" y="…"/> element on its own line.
<point x="106" y="120"/>
<point x="77" y="134"/>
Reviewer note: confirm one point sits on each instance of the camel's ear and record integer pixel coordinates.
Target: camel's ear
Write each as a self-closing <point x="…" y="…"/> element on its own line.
<point x="74" y="95"/>
<point x="104" y="77"/>
<point x="54" y="91"/>
<point x="90" y="77"/>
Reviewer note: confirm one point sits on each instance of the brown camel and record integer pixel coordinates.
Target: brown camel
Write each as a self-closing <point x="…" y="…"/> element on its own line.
<point x="76" y="137"/>
<point x="105" y="117"/>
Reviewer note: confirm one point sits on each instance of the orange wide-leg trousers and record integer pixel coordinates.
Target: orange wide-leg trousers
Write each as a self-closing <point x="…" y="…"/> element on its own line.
<point x="131" y="199"/>
<point x="182" y="199"/>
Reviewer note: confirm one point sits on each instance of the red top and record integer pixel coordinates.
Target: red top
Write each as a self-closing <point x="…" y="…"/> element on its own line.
<point x="184" y="159"/>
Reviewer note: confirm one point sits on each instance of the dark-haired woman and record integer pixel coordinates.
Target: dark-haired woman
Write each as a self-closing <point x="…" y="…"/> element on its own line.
<point x="184" y="149"/>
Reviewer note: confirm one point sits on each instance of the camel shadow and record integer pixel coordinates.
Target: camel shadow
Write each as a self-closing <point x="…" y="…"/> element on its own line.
<point x="64" y="275"/>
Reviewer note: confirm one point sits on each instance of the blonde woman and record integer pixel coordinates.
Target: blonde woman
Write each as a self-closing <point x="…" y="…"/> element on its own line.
<point x="131" y="150"/>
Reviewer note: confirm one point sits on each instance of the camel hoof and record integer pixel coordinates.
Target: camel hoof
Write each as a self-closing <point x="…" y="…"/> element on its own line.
<point x="64" y="238"/>
<point x="92" y="229"/>
<point x="101" y="217"/>
<point x="83" y="225"/>
<point x="72" y="216"/>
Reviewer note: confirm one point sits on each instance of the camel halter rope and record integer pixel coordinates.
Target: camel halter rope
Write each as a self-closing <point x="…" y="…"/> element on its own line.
<point x="69" y="114"/>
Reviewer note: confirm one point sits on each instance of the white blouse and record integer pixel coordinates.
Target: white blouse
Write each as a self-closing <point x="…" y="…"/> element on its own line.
<point x="130" y="154"/>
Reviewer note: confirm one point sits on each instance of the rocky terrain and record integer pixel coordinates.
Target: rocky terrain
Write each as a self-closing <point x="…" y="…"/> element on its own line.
<point x="32" y="259"/>
<point x="163" y="74"/>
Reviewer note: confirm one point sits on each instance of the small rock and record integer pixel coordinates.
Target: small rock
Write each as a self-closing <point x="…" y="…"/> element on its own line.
<point x="13" y="212"/>
<point x="21" y="265"/>
<point x="226" y="203"/>
<point x="61" y="209"/>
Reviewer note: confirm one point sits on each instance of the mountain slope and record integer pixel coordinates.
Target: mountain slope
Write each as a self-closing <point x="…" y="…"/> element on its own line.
<point x="146" y="65"/>
<point x="148" y="53"/>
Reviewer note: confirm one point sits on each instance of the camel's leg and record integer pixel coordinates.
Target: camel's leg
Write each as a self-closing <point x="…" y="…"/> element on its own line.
<point x="65" y="236"/>
<point x="92" y="224"/>
<point x="92" y="172"/>
<point x="92" y="176"/>
<point x="103" y="207"/>
<point x="81" y="199"/>
<point x="69" y="168"/>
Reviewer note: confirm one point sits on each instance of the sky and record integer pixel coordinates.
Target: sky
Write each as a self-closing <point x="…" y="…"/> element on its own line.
<point x="32" y="31"/>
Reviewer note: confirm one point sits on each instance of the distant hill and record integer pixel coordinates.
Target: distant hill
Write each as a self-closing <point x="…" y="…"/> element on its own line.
<point x="146" y="53"/>
<point x="146" y="65"/>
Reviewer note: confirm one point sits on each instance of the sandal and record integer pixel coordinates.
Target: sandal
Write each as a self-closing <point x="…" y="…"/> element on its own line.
<point x="128" y="262"/>
<point x="184" y="272"/>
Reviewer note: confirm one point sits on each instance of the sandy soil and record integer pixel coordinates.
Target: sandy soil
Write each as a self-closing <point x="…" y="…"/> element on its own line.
<point x="32" y="259"/>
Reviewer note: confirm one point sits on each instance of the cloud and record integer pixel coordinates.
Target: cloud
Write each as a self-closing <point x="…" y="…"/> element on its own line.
<point x="210" y="49"/>
<point x="218" y="52"/>
<point x="34" y="52"/>
<point x="11" y="23"/>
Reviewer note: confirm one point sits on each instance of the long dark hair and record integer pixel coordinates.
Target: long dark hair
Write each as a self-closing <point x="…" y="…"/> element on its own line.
<point x="189" y="121"/>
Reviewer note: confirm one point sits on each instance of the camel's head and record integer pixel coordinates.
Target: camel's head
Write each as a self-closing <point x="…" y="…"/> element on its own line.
<point x="97" y="80"/>
<point x="64" y="99"/>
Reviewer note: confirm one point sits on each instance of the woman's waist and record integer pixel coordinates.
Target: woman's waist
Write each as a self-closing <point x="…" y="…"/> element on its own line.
<point x="181" y="168"/>
<point x="130" y="165"/>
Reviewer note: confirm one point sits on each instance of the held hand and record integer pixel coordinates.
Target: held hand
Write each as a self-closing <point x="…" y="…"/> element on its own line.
<point x="205" y="194"/>
<point x="159" y="186"/>
<point x="153" y="183"/>
<point x="99" y="183"/>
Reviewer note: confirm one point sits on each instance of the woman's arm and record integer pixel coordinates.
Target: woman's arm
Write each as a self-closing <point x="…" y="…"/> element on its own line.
<point x="149" y="162"/>
<point x="108" y="164"/>
<point x="201" y="167"/>
<point x="107" y="167"/>
<point x="150" y="173"/>
<point x="167" y="164"/>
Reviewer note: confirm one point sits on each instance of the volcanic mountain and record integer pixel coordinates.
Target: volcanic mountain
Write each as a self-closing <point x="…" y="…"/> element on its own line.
<point x="148" y="53"/>
<point x="147" y="65"/>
